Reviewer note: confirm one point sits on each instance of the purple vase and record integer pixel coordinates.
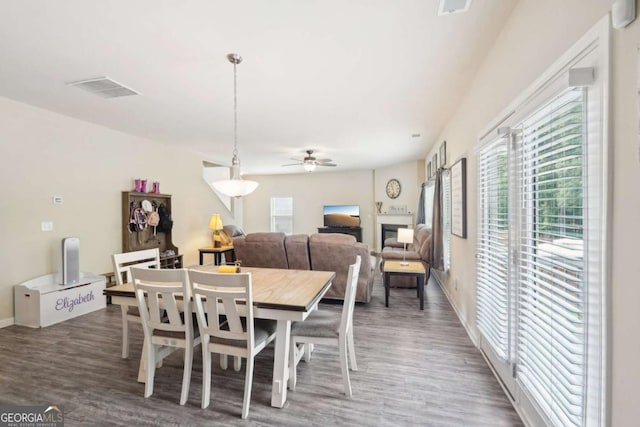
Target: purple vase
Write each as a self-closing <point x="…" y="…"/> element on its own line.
<point x="143" y="186"/>
<point x="137" y="187"/>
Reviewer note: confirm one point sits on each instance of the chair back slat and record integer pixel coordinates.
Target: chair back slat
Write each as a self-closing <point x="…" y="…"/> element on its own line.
<point x="228" y="294"/>
<point x="159" y="292"/>
<point x="346" y="322"/>
<point x="122" y="263"/>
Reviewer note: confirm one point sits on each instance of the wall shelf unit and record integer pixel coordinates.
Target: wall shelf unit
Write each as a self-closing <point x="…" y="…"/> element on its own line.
<point x="150" y="237"/>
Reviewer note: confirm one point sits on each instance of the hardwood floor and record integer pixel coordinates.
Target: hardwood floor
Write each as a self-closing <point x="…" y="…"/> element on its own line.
<point x="415" y="368"/>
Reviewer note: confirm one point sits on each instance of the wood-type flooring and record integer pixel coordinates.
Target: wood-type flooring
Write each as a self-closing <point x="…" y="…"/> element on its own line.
<point x="415" y="369"/>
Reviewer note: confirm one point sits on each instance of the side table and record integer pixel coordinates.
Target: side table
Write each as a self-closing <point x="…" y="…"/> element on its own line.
<point x="413" y="268"/>
<point x="217" y="254"/>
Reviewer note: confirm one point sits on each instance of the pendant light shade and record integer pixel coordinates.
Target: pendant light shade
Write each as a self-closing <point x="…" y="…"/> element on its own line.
<point x="236" y="186"/>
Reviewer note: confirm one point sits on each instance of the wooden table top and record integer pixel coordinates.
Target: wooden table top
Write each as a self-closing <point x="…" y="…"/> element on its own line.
<point x="282" y="289"/>
<point x="212" y="250"/>
<point x="412" y="267"/>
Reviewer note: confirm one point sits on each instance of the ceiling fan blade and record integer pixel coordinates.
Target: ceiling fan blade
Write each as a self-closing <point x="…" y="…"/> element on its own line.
<point x="293" y="164"/>
<point x="323" y="160"/>
<point x="327" y="164"/>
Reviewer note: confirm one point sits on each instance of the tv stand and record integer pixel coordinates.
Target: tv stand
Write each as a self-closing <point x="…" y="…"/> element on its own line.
<point x="353" y="231"/>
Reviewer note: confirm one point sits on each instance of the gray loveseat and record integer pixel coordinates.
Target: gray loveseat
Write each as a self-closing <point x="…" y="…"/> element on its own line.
<point x="325" y="252"/>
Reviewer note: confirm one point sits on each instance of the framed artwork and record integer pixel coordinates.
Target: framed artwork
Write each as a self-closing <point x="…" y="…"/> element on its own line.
<point x="459" y="198"/>
<point x="434" y="162"/>
<point x="429" y="173"/>
<point x="443" y="154"/>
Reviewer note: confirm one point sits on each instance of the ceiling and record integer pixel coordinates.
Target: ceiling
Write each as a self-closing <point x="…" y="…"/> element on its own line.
<point x="367" y="83"/>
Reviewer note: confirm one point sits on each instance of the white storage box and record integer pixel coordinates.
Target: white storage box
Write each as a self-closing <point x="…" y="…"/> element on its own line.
<point x="43" y="301"/>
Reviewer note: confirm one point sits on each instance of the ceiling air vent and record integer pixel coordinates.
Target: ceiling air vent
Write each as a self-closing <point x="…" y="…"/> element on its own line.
<point x="448" y="7"/>
<point x="104" y="87"/>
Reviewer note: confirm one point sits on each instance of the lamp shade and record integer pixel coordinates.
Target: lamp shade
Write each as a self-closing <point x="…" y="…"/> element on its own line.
<point x="215" y="223"/>
<point x="309" y="167"/>
<point x="405" y="235"/>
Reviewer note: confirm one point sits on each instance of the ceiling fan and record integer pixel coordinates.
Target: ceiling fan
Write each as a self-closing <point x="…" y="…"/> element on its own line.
<point x="310" y="162"/>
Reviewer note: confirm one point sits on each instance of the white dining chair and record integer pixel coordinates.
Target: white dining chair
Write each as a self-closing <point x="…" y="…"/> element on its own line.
<point x="163" y="298"/>
<point x="224" y="306"/>
<point x="328" y="328"/>
<point x="122" y="263"/>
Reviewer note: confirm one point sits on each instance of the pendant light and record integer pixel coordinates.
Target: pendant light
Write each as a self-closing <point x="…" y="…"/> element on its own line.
<point x="236" y="186"/>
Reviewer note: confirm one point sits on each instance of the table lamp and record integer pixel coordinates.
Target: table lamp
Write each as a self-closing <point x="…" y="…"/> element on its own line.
<point x="405" y="235"/>
<point x="215" y="224"/>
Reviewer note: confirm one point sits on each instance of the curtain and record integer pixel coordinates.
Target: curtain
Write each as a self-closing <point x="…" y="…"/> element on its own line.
<point x="421" y="216"/>
<point x="437" y="230"/>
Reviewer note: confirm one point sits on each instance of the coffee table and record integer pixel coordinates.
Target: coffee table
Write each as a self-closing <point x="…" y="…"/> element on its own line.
<point x="413" y="268"/>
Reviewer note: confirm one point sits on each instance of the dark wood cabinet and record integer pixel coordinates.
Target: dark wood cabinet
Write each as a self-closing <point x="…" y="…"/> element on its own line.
<point x="353" y="231"/>
<point x="149" y="237"/>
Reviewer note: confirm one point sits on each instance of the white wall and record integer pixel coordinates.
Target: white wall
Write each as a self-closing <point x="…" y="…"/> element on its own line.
<point x="43" y="154"/>
<point x="536" y="34"/>
<point x="310" y="191"/>
<point x="625" y="211"/>
<point x="410" y="175"/>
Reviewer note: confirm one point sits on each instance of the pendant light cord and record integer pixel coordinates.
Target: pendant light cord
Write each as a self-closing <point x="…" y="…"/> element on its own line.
<point x="235" y="112"/>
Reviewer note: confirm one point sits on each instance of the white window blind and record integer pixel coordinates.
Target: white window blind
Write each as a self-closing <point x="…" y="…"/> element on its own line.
<point x="551" y="337"/>
<point x="428" y="202"/>
<point x="446" y="218"/>
<point x="493" y="247"/>
<point x="282" y="215"/>
<point x="542" y="239"/>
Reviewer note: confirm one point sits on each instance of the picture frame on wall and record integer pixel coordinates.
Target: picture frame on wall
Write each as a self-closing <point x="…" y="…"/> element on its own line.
<point x="429" y="173"/>
<point x="434" y="162"/>
<point x="443" y="154"/>
<point x="459" y="198"/>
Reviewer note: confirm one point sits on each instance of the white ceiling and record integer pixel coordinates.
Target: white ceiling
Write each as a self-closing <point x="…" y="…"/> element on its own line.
<point x="352" y="79"/>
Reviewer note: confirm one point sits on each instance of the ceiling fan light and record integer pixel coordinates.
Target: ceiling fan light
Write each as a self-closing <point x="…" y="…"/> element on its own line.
<point x="309" y="167"/>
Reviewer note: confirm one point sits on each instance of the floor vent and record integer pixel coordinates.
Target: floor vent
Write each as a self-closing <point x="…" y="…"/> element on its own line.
<point x="104" y="87"/>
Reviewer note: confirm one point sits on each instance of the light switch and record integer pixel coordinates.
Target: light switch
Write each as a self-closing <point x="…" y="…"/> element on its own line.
<point x="46" y="226"/>
<point x="57" y="200"/>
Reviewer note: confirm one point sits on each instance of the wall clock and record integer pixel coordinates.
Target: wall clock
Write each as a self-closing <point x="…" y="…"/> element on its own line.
<point x="393" y="188"/>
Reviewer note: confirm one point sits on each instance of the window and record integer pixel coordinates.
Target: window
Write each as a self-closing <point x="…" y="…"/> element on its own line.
<point x="429" y="191"/>
<point x="552" y="287"/>
<point x="541" y="243"/>
<point x="428" y="202"/>
<point x="282" y="215"/>
<point x="446" y="218"/>
<point x="493" y="301"/>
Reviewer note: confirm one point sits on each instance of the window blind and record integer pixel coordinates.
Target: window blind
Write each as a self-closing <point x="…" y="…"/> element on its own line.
<point x="446" y="217"/>
<point x="493" y="247"/>
<point x="551" y="284"/>
<point x="282" y="215"/>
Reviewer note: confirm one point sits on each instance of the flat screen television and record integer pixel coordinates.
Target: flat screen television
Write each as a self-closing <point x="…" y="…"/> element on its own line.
<point x="341" y="216"/>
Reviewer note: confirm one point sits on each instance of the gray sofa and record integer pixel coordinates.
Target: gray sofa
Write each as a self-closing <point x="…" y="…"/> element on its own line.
<point x="419" y="250"/>
<point x="325" y="252"/>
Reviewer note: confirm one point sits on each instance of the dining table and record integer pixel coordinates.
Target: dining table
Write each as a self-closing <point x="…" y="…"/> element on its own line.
<point x="282" y="295"/>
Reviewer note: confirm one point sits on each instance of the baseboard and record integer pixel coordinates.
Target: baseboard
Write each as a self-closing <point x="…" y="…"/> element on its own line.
<point x="472" y="335"/>
<point x="7" y="322"/>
